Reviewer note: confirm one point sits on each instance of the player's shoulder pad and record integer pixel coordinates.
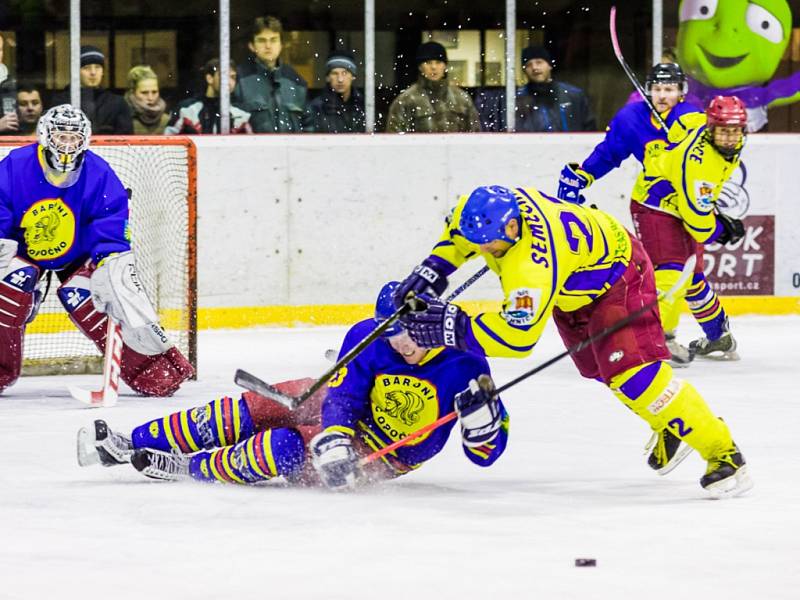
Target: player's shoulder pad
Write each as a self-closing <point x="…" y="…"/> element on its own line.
<point x="685" y="125"/>
<point x="472" y="362"/>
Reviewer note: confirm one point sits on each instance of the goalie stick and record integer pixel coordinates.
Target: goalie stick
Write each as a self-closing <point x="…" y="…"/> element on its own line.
<point x="108" y="395"/>
<point x="686" y="272"/>
<point x="255" y="384"/>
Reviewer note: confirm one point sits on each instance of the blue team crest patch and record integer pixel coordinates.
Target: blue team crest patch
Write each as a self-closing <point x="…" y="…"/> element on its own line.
<point x="521" y="306"/>
<point x="73" y="297"/>
<point x="704" y="193"/>
<point x="24" y="279"/>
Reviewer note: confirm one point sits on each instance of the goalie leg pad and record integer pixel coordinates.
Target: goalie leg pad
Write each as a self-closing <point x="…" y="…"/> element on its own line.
<point x="260" y="457"/>
<point x="221" y="422"/>
<point x="665" y="402"/>
<point x="17" y="304"/>
<point x="150" y="375"/>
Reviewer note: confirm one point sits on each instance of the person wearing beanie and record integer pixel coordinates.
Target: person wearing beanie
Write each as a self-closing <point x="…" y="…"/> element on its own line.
<point x="545" y="104"/>
<point x="432" y="104"/>
<point x="340" y="106"/>
<point x="108" y="112"/>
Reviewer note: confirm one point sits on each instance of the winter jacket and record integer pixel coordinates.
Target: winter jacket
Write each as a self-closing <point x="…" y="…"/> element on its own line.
<point x="275" y="98"/>
<point x="108" y="112"/>
<point x="329" y="113"/>
<point x="553" y="106"/>
<point x="201" y="115"/>
<point x="432" y="106"/>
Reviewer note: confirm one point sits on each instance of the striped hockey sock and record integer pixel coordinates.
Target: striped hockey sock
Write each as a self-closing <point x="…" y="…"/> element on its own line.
<point x="221" y="422"/>
<point x="706" y="307"/>
<point x="261" y="457"/>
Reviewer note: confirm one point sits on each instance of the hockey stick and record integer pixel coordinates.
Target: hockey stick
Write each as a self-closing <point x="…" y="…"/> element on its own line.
<point x="254" y="384"/>
<point x="331" y="354"/>
<point x="686" y="272"/>
<point x="612" y="26"/>
<point x="108" y="395"/>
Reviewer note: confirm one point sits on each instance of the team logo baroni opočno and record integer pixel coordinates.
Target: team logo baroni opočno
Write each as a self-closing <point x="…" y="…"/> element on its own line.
<point x="401" y="404"/>
<point x="49" y="226"/>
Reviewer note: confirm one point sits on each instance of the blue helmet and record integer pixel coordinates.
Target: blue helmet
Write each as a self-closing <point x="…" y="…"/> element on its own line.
<point x="486" y="213"/>
<point x="384" y="308"/>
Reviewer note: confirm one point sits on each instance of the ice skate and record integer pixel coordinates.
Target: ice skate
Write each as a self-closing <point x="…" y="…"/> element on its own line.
<point x="681" y="355"/>
<point x="161" y="465"/>
<point x="722" y="349"/>
<point x="666" y="451"/>
<point x="726" y="475"/>
<point x="98" y="444"/>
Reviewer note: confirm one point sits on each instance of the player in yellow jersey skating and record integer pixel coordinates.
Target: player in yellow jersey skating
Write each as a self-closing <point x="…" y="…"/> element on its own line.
<point x="581" y="266"/>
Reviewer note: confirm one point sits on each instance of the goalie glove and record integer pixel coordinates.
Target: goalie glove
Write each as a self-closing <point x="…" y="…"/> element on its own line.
<point x="731" y="230"/>
<point x="572" y="180"/>
<point x="478" y="412"/>
<point x="8" y="250"/>
<point x="118" y="292"/>
<point x="334" y="459"/>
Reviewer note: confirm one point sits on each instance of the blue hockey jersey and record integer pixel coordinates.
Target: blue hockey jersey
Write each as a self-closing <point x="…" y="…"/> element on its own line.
<point x="57" y="226"/>
<point x="381" y="399"/>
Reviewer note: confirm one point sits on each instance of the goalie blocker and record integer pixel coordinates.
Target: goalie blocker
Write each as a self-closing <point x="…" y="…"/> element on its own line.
<point x="151" y="364"/>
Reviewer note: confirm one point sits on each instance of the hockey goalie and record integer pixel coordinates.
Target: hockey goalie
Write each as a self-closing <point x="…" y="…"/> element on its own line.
<point x="63" y="209"/>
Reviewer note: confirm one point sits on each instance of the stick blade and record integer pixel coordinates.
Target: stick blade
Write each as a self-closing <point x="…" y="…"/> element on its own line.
<point x="92" y="399"/>
<point x="252" y="383"/>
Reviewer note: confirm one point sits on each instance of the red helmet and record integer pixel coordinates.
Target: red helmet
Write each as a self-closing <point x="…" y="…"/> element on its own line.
<point x="726" y="111"/>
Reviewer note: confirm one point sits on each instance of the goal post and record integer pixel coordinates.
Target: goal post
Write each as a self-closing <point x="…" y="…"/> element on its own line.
<point x="160" y="173"/>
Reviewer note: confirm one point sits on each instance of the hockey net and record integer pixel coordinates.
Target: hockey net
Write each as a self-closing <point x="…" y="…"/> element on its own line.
<point x="160" y="174"/>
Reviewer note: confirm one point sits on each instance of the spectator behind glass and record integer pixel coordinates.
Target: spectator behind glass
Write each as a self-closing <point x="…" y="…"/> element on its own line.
<point x="202" y="115"/>
<point x="29" y="108"/>
<point x="544" y="104"/>
<point x="108" y="112"/>
<point x="147" y="107"/>
<point x="9" y="123"/>
<point x="432" y="104"/>
<point x="271" y="91"/>
<point x="340" y="107"/>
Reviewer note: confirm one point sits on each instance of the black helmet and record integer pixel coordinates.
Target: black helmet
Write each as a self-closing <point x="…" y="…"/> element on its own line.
<point x="666" y="73"/>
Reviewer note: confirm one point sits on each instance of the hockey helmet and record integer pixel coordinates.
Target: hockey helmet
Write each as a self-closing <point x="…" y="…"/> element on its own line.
<point x="64" y="133"/>
<point x="384" y="308"/>
<point x="666" y="73"/>
<point x="726" y="111"/>
<point x="486" y="213"/>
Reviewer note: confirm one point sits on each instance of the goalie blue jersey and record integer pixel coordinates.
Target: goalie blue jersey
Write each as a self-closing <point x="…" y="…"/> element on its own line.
<point x="380" y="399"/>
<point x="58" y="226"/>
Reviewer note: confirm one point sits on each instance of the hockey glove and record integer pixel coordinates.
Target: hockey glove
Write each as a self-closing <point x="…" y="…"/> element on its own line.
<point x="334" y="459"/>
<point x="8" y="250"/>
<point x="429" y="277"/>
<point x="478" y="412"/>
<point x="440" y="324"/>
<point x="732" y="229"/>
<point x="572" y="180"/>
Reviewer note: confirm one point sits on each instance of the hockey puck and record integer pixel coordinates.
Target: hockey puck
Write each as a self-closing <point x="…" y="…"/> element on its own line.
<point x="585" y="562"/>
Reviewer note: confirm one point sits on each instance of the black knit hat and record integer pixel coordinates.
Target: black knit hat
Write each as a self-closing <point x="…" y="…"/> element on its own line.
<point x="341" y="60"/>
<point x="532" y="52"/>
<point x="92" y="55"/>
<point x="431" y="51"/>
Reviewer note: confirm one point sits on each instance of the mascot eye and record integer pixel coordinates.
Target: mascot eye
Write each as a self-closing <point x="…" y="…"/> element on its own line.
<point x="697" y="10"/>
<point x="764" y="23"/>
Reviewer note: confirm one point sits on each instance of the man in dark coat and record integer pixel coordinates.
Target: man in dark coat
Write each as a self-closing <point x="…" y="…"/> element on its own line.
<point x="340" y="107"/>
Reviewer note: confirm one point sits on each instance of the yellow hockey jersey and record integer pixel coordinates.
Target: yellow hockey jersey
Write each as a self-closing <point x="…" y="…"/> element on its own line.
<point x="567" y="256"/>
<point x="686" y="178"/>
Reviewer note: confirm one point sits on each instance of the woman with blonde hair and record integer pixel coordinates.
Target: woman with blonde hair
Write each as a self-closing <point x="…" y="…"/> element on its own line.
<point x="148" y="108"/>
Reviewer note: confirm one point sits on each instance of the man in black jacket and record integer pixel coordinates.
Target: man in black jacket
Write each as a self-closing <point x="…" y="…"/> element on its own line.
<point x="340" y="107"/>
<point x="108" y="112"/>
<point x="270" y="90"/>
<point x="546" y="105"/>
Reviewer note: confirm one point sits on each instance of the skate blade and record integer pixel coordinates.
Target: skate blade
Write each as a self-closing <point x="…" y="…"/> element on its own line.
<point x="684" y="450"/>
<point x="86" y="452"/>
<point x="731" y="487"/>
<point x="724" y="357"/>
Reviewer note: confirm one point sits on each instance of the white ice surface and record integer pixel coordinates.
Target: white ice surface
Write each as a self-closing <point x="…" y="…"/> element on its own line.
<point x="572" y="483"/>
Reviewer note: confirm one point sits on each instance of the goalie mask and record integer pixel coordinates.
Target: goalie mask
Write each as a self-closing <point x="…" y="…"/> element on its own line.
<point x="64" y="133"/>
